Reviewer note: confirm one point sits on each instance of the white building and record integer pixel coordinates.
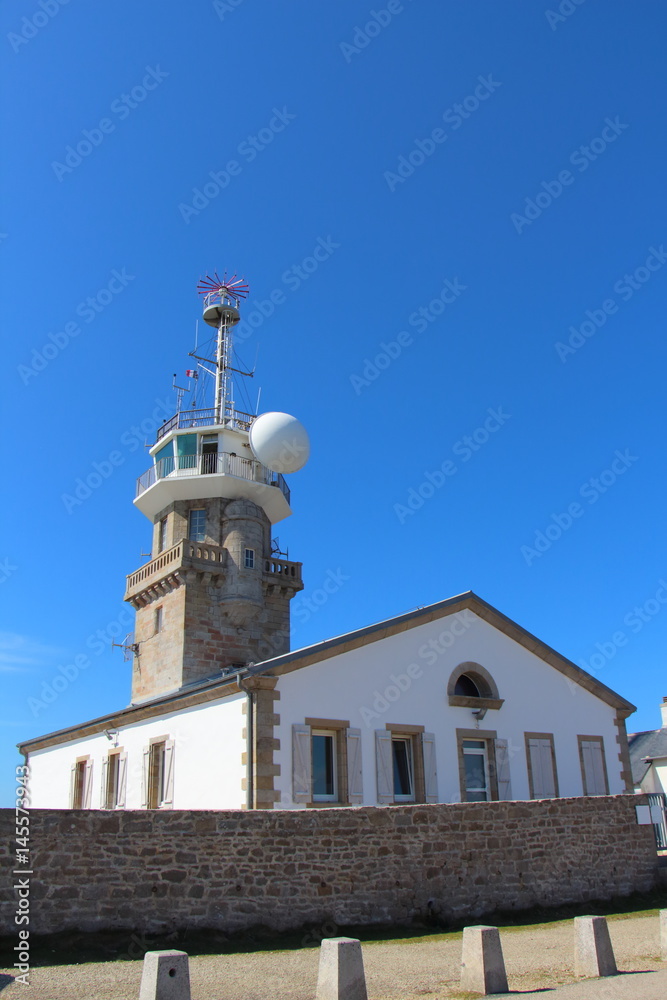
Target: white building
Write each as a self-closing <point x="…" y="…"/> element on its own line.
<point x="451" y="702"/>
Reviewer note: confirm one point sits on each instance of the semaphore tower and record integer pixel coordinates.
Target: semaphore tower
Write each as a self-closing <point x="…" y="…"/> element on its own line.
<point x="215" y="595"/>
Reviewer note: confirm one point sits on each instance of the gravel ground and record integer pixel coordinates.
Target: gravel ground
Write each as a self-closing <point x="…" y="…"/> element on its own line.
<point x="535" y="957"/>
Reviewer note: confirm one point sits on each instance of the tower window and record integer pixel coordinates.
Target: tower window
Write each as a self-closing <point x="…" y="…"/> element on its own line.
<point x="159" y="619"/>
<point x="197" y="525"/>
<point x="162" y="535"/>
<point x="249" y="561"/>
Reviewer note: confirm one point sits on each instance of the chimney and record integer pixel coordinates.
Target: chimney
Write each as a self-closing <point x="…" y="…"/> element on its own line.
<point x="663" y="711"/>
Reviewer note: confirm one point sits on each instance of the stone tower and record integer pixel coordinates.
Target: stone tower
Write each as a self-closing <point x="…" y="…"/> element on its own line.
<point x="213" y="595"/>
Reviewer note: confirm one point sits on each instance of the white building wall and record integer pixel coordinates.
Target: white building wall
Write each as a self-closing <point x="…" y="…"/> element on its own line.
<point x="208" y="744"/>
<point x="363" y="686"/>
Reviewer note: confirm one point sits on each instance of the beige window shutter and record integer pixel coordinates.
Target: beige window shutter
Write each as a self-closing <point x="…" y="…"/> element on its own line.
<point x="72" y="786"/>
<point x="168" y="799"/>
<point x="104" y="803"/>
<point x="122" y="781"/>
<point x="541" y="766"/>
<point x="301" y="764"/>
<point x="88" y="785"/>
<point x="591" y="751"/>
<point x="384" y="767"/>
<point x="145" y="777"/>
<point x="503" y="770"/>
<point x="430" y="768"/>
<point x="355" y="790"/>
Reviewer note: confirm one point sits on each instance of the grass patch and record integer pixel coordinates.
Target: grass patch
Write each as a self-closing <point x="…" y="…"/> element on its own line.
<point x="75" y="948"/>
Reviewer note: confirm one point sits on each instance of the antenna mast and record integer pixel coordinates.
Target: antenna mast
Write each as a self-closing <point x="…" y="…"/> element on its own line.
<point x="221" y="310"/>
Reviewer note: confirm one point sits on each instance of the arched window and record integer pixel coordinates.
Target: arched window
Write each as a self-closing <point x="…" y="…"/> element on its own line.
<point x="470" y="683"/>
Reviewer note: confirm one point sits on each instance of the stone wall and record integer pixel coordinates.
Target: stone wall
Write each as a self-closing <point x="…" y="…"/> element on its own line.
<point x="161" y="871"/>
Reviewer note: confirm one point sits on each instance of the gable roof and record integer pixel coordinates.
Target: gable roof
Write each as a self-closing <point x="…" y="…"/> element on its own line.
<point x="651" y="744"/>
<point x="221" y="686"/>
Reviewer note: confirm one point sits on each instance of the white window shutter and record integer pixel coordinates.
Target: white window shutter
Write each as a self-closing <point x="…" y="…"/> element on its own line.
<point x="145" y="774"/>
<point x="88" y="785"/>
<point x="430" y="770"/>
<point x="301" y="764"/>
<point x="122" y="781"/>
<point x="542" y="769"/>
<point x="503" y="770"/>
<point x="168" y="799"/>
<point x="104" y="779"/>
<point x="384" y="767"/>
<point x="355" y="790"/>
<point x="591" y="752"/>
<point x="72" y="786"/>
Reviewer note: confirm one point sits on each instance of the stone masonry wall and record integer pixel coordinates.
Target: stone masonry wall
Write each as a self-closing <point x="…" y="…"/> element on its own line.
<point x="160" y="871"/>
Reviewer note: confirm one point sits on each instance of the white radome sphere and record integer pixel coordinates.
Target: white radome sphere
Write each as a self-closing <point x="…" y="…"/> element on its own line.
<point x="280" y="442"/>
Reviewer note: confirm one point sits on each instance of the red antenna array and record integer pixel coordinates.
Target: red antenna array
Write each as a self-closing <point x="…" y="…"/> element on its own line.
<point x="233" y="286"/>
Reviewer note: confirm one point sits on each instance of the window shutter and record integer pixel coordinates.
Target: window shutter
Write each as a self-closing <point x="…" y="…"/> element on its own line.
<point x="503" y="770"/>
<point x="168" y="799"/>
<point x="104" y="804"/>
<point x="122" y="781"/>
<point x="542" y="769"/>
<point x="430" y="771"/>
<point x="594" y="778"/>
<point x="145" y="773"/>
<point x="301" y="764"/>
<point x="72" y="786"/>
<point x="88" y="785"/>
<point x="355" y="791"/>
<point x="384" y="767"/>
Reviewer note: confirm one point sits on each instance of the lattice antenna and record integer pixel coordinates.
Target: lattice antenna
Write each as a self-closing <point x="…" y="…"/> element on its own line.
<point x="221" y="310"/>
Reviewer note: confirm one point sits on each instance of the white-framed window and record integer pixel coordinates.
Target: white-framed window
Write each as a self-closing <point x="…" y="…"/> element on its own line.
<point x="324" y="765"/>
<point x="476" y="766"/>
<point x="114" y="780"/>
<point x="157" y="787"/>
<point x="249" y="559"/>
<point x="403" y="768"/>
<point x="197" y="525"/>
<point x="159" y="619"/>
<point x="81" y="783"/>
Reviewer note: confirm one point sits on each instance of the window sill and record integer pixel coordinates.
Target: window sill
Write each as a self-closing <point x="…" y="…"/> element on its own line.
<point x="326" y="805"/>
<point x="460" y="701"/>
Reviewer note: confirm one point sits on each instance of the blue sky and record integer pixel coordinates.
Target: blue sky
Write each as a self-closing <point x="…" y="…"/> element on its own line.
<point x="477" y="348"/>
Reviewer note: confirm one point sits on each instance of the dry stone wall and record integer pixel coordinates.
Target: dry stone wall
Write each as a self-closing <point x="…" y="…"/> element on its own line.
<point x="160" y="871"/>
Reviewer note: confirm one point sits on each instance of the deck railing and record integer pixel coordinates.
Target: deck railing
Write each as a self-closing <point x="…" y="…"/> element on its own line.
<point x="220" y="463"/>
<point x="185" y="419"/>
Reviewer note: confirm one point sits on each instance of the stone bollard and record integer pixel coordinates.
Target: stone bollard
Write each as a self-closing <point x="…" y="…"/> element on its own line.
<point x="593" y="953"/>
<point x="341" y="974"/>
<point x="482" y="963"/>
<point x="165" y="976"/>
<point x="663" y="935"/>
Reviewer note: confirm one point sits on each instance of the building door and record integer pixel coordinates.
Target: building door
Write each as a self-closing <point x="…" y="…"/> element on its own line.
<point x="209" y="453"/>
<point x="476" y="770"/>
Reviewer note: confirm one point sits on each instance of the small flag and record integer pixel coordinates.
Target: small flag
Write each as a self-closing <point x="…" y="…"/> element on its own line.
<point x="191" y="373"/>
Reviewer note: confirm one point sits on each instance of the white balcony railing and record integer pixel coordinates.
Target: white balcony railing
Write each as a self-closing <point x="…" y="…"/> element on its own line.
<point x="220" y="463"/>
